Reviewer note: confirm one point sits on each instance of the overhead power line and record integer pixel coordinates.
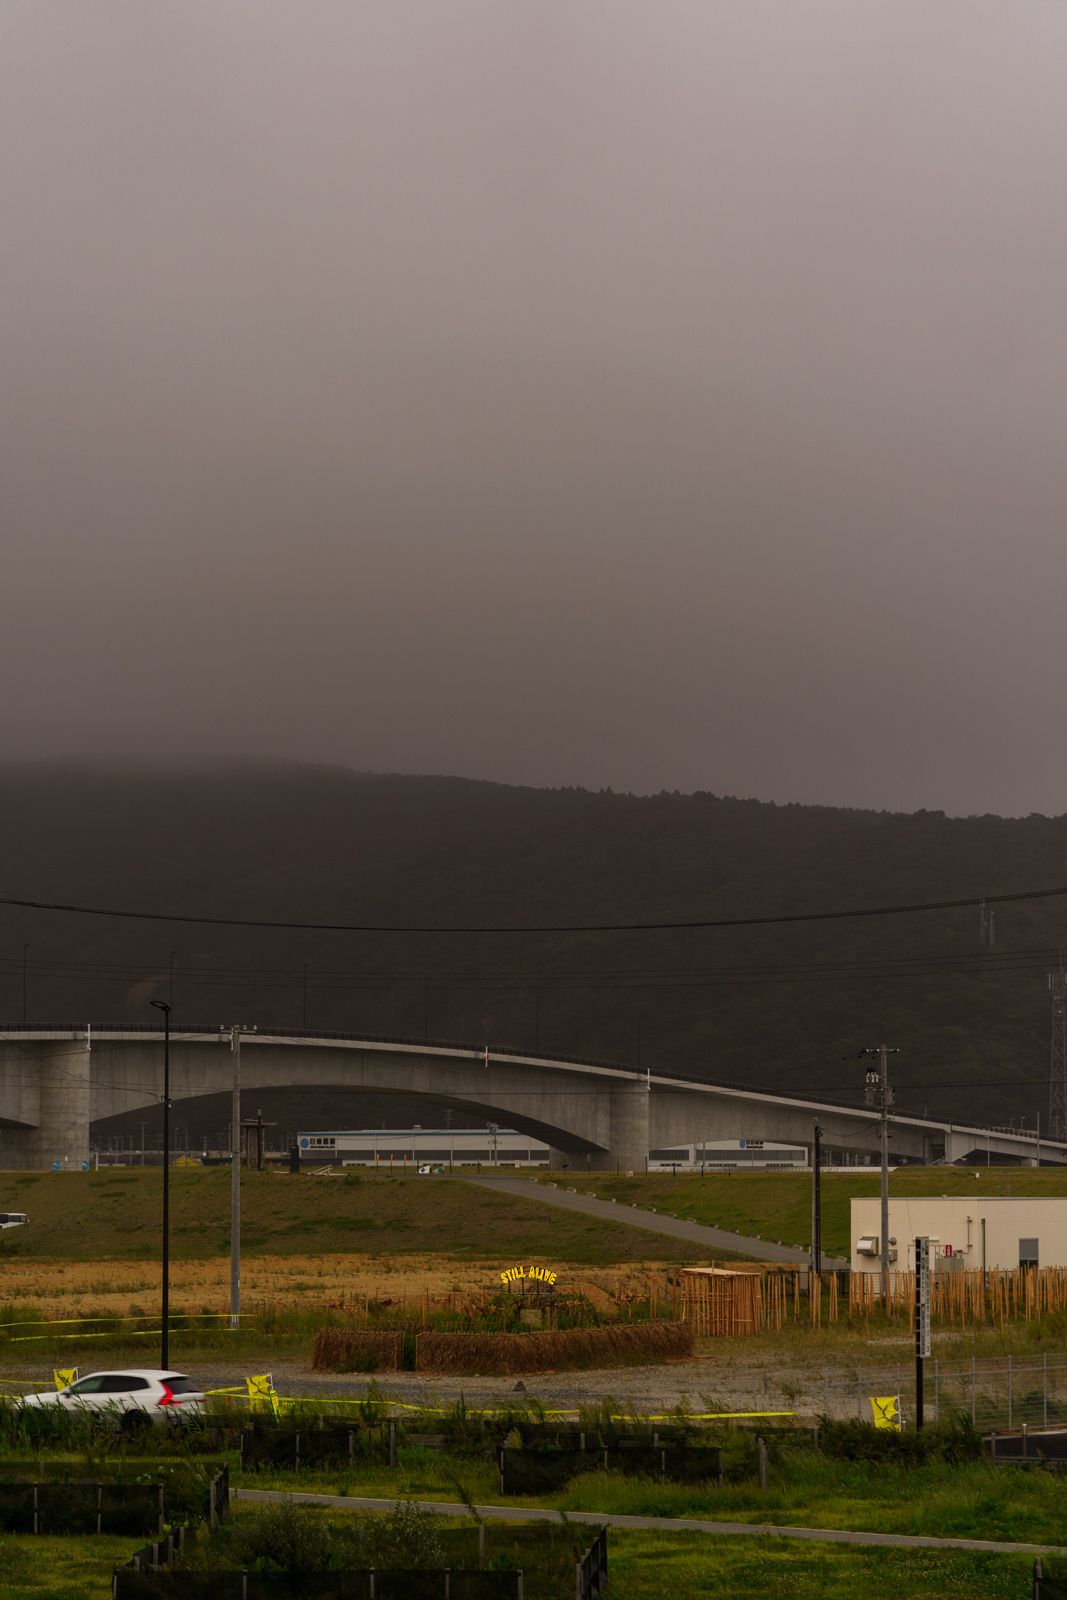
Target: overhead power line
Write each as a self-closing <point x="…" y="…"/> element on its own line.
<point x="592" y="927"/>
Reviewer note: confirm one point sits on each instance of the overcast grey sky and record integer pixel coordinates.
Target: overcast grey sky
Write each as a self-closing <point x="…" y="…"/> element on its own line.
<point x="654" y="395"/>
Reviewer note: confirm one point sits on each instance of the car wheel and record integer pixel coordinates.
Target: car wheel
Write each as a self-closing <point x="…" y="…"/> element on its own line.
<point x="134" y="1424"/>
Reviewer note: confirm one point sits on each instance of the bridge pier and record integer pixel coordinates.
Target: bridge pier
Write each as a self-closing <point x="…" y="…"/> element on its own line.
<point x="628" y="1149"/>
<point x="60" y="1129"/>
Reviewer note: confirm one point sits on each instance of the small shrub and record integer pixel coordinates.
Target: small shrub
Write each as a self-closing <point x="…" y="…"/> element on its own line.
<point x="286" y="1535"/>
<point x="404" y="1537"/>
<point x="955" y="1442"/>
<point x="366" y="1360"/>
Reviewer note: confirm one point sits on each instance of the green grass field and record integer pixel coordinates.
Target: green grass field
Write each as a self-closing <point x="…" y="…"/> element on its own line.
<point x="777" y="1205"/>
<point x="642" y="1566"/>
<point x="115" y="1215"/>
<point x="806" y="1489"/>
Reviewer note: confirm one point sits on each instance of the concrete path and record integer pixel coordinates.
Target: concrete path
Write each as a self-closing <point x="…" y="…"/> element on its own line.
<point x="765" y="1530"/>
<point x="654" y="1222"/>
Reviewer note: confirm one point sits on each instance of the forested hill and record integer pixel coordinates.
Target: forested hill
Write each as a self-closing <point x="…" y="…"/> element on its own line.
<point x="777" y="1006"/>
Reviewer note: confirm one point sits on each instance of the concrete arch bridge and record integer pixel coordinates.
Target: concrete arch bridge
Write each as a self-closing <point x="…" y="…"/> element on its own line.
<point x="57" y="1078"/>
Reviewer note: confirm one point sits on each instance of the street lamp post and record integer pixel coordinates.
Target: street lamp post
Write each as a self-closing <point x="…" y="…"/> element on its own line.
<point x="235" y="1184"/>
<point x="161" y="1005"/>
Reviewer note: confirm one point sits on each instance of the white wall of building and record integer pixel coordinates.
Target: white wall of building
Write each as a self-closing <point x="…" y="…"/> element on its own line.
<point x="368" y="1147"/>
<point x="984" y="1232"/>
<point x="747" y="1154"/>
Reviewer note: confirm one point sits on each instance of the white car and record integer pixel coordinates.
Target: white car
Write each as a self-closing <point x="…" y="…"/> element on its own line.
<point x="137" y="1397"/>
<point x="13" y="1219"/>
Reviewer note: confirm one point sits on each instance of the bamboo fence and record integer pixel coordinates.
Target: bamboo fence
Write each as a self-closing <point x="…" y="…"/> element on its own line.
<point x="718" y="1300"/>
<point x="998" y="1294"/>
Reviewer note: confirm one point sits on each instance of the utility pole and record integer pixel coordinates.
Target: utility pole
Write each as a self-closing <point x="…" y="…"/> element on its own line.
<point x="879" y="1096"/>
<point x="24" y="949"/>
<point x="1057" y="1097"/>
<point x="235" y="1183"/>
<point x="816" y="1198"/>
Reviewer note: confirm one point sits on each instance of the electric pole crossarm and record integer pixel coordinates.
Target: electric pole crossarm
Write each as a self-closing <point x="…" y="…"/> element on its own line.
<point x="1057" y="1097"/>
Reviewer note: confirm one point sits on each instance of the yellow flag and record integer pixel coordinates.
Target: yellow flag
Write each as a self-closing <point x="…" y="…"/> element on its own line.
<point x="261" y="1396"/>
<point x="885" y="1411"/>
<point x="64" y="1379"/>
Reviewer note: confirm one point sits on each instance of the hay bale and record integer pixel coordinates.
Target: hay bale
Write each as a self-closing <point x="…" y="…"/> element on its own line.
<point x="349" y="1350"/>
<point x="513" y="1353"/>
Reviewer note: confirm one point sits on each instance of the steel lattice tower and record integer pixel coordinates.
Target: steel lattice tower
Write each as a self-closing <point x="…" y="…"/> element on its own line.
<point x="1057" y="1097"/>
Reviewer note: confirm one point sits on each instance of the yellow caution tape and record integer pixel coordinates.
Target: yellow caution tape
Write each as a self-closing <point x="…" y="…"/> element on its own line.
<point x="61" y="1322"/>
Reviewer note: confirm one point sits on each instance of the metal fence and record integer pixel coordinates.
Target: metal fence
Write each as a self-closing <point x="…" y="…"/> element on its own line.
<point x="591" y="1572"/>
<point x="996" y="1392"/>
<point x="82" y="1506"/>
<point x="366" y="1584"/>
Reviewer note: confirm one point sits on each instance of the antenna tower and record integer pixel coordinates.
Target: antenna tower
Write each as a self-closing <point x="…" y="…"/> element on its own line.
<point x="1057" y="1097"/>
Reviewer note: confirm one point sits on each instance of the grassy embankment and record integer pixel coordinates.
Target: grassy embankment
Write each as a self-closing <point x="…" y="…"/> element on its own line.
<point x="114" y="1215"/>
<point x="777" y="1205"/>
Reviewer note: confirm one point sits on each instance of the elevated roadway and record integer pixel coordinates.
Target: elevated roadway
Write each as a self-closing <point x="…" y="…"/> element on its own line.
<point x="57" y="1078"/>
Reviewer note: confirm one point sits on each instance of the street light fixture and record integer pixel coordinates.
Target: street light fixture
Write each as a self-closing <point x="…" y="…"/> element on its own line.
<point x="161" y="1005"/>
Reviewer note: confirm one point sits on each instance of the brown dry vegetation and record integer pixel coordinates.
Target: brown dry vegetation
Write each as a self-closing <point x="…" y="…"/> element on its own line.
<point x="109" y="1288"/>
<point x="339" y="1349"/>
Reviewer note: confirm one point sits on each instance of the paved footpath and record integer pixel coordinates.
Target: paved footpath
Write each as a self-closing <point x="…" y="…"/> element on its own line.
<point x="654" y="1221"/>
<point x="765" y="1530"/>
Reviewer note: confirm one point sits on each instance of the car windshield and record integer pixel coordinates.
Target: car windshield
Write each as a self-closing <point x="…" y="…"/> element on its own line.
<point x="178" y="1385"/>
<point x="87" y="1385"/>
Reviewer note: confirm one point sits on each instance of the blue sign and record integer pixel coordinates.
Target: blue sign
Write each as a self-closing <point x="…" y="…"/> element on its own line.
<point x="304" y="1143"/>
<point x="85" y="1166"/>
<point x="741" y="1143"/>
<point x="55" y="1166"/>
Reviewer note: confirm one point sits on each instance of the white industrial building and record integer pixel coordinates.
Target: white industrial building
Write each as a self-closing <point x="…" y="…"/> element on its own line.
<point x="971" y="1231"/>
<point x="415" y="1147"/>
<point x="718" y="1155"/>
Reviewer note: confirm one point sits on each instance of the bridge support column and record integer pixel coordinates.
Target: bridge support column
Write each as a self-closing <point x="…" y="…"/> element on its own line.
<point x="62" y="1134"/>
<point x="628" y="1151"/>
